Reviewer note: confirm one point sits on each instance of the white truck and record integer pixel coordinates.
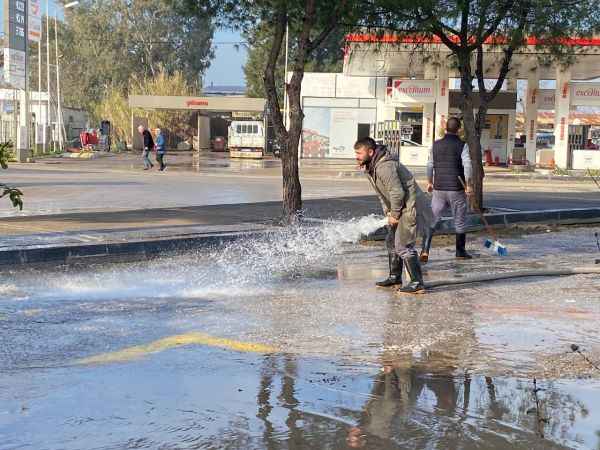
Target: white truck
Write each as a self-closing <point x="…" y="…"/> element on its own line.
<point x="246" y="139"/>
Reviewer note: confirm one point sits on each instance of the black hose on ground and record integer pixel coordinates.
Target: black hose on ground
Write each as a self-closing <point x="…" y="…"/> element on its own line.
<point x="516" y="274"/>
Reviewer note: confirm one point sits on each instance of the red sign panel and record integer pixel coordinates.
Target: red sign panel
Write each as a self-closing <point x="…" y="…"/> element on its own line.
<point x="197" y="103"/>
<point x="531" y="127"/>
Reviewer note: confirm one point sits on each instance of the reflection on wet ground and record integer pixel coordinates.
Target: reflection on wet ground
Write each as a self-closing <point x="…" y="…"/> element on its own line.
<point x="233" y="164"/>
<point x="201" y="398"/>
<point x="287" y="344"/>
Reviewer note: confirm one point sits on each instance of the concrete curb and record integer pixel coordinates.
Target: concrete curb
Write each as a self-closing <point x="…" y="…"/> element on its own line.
<point x="78" y="254"/>
<point x="507" y="219"/>
<point x="518" y="176"/>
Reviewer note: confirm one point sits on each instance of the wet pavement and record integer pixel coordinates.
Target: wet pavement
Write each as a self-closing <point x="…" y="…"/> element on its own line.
<point x="286" y="343"/>
<point x="117" y="183"/>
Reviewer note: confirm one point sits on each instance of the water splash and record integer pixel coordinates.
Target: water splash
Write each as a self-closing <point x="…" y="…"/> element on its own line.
<point x="293" y="252"/>
<point x="243" y="267"/>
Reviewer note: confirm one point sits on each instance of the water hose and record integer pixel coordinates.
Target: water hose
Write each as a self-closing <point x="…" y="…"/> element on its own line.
<point x="516" y="274"/>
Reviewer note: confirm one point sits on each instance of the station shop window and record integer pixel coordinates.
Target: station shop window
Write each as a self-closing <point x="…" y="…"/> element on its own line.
<point x="414" y="119"/>
<point x="363" y="130"/>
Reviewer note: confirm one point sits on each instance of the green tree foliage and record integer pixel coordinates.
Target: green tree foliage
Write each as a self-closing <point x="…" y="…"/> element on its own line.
<point x="327" y="58"/>
<point x="13" y="194"/>
<point x="465" y="26"/>
<point x="115" y="105"/>
<point x="310" y="24"/>
<point x="106" y="43"/>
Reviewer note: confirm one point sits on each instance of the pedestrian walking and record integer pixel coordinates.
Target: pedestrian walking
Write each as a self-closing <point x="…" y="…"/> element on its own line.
<point x="161" y="149"/>
<point x="397" y="190"/>
<point x="449" y="169"/>
<point x="148" y="146"/>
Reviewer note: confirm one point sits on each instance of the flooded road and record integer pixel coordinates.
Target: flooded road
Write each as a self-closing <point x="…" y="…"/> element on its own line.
<point x="286" y="343"/>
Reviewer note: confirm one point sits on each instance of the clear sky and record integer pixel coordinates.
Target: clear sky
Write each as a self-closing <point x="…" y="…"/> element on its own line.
<point x="52" y="6"/>
<point x="226" y="68"/>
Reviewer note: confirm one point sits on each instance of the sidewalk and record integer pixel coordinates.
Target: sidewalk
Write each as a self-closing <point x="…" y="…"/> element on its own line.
<point x="222" y="164"/>
<point x="143" y="233"/>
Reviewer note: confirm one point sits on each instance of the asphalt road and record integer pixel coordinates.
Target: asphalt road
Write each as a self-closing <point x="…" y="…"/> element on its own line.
<point x="91" y="186"/>
<point x="287" y="343"/>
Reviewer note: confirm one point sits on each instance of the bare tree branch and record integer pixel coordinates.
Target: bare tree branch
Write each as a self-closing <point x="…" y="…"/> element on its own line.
<point x="269" y="75"/>
<point x="333" y="23"/>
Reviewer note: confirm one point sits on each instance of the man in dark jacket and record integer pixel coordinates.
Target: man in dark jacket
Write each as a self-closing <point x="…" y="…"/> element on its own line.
<point x="449" y="172"/>
<point x="148" y="146"/>
<point x="397" y="190"/>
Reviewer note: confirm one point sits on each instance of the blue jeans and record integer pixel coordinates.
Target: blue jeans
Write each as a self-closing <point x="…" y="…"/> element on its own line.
<point x="146" y="159"/>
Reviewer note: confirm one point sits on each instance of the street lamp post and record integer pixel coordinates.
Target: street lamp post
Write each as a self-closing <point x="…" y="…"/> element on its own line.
<point x="58" y="107"/>
<point x="47" y="115"/>
<point x="59" y="122"/>
<point x="285" y="70"/>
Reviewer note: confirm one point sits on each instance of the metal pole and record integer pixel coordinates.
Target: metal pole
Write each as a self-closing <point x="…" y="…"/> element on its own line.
<point x="285" y="71"/>
<point x="27" y="121"/>
<point x="59" y="110"/>
<point x="47" y="116"/>
<point x="38" y="119"/>
<point x="15" y="120"/>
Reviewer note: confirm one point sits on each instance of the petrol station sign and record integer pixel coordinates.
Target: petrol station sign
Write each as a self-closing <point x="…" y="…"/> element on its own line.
<point x="34" y="26"/>
<point x="585" y="94"/>
<point x="547" y="99"/>
<point x="15" y="26"/>
<point x="402" y="91"/>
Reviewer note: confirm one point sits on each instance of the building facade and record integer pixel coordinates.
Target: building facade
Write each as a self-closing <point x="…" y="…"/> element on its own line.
<point x="401" y="92"/>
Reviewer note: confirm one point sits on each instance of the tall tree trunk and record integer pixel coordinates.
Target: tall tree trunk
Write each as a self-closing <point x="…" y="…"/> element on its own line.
<point x="472" y="131"/>
<point x="474" y="141"/>
<point x="288" y="140"/>
<point x="292" y="190"/>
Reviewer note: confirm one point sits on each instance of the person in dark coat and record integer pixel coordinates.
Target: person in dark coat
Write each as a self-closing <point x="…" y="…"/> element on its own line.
<point x="148" y="146"/>
<point x="397" y="191"/>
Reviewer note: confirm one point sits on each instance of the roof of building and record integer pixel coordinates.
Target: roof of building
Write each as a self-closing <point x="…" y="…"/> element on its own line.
<point x="223" y="90"/>
<point x="546" y="119"/>
<point x="369" y="54"/>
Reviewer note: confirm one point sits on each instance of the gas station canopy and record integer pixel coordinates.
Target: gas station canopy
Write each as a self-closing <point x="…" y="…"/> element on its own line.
<point x="221" y="103"/>
<point x="407" y="57"/>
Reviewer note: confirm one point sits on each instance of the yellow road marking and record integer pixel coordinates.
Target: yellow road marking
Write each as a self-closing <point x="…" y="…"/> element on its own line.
<point x="139" y="351"/>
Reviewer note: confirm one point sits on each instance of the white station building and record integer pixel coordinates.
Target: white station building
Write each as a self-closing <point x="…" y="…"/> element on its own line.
<point x="401" y="91"/>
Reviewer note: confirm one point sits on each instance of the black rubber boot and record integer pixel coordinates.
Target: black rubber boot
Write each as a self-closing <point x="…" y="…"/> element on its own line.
<point x="395" y="278"/>
<point x="415" y="285"/>
<point x="461" y="241"/>
<point x="426" y="246"/>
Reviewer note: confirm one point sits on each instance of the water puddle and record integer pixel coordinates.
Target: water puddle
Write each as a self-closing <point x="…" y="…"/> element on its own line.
<point x="194" y="398"/>
<point x="284" y="342"/>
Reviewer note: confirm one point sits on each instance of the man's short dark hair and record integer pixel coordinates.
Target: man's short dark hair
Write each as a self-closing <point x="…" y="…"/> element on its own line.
<point x="453" y="125"/>
<point x="365" y="142"/>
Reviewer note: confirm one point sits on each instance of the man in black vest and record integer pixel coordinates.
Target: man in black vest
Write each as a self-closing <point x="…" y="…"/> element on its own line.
<point x="449" y="163"/>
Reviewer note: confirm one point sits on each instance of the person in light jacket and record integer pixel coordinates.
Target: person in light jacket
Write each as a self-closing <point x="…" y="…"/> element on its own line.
<point x="397" y="191"/>
<point x="161" y="149"/>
